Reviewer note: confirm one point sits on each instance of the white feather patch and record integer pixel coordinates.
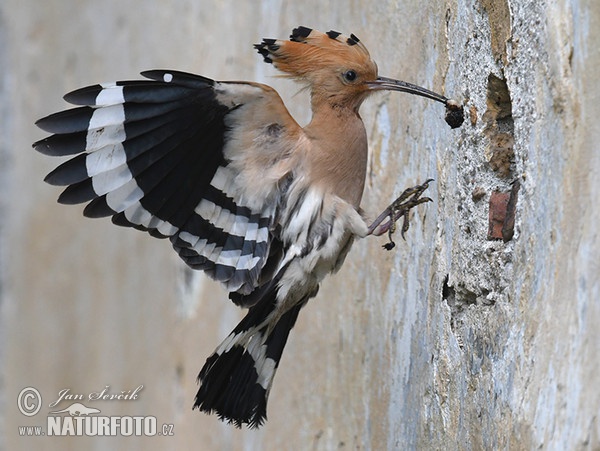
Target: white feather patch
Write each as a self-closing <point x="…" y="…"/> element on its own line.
<point x="154" y="222"/>
<point x="108" y="181"/>
<point x="251" y="231"/>
<point x="229" y="222"/>
<point x="265" y="367"/>
<point x="228" y="343"/>
<point x="223" y="179"/>
<point x="239" y="226"/>
<point x="302" y="217"/>
<point x="108" y="115"/>
<point x="262" y="235"/>
<point x="206" y="208"/>
<point x="207" y="249"/>
<point x="106" y="127"/>
<point x="111" y="94"/>
<point x="125" y="196"/>
<point x="192" y="240"/>
<point x="137" y="214"/>
<point x="236" y="260"/>
<point x="106" y="158"/>
<point x="247" y="262"/>
<point x="167" y="229"/>
<point x="266" y="373"/>
<point x="216" y="254"/>
<point x="229" y="257"/>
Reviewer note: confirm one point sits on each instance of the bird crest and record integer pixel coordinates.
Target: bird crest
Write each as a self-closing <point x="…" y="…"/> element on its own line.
<point x="310" y="52"/>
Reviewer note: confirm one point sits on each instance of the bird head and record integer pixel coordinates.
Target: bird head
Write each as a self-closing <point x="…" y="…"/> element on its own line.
<point x="337" y="68"/>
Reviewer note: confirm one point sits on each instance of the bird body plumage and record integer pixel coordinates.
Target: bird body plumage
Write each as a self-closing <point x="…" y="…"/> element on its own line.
<point x="243" y="192"/>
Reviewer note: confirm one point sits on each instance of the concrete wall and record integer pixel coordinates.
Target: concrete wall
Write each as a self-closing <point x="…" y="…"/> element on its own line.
<point x="451" y="341"/>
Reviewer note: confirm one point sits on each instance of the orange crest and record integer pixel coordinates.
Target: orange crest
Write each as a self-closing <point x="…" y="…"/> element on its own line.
<point x="314" y="57"/>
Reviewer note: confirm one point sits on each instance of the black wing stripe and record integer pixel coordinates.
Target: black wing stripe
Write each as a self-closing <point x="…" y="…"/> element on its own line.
<point x="139" y="91"/>
<point x="68" y="121"/>
<point x="176" y="195"/>
<point x="72" y="171"/>
<point x="98" y="208"/>
<point x="152" y="129"/>
<point x="61" y="145"/>
<point x="95" y="120"/>
<point x="179" y="78"/>
<point x="195" y="187"/>
<point x="69" y="143"/>
<point x="78" y="193"/>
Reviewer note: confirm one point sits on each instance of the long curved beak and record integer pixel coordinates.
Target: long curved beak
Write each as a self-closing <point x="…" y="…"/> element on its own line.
<point x="389" y="84"/>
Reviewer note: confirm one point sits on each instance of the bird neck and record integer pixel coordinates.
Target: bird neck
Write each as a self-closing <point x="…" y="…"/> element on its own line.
<point x="338" y="152"/>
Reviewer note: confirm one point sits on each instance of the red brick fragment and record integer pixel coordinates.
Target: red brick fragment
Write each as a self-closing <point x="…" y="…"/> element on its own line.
<point x="498" y="204"/>
<point x="503" y="207"/>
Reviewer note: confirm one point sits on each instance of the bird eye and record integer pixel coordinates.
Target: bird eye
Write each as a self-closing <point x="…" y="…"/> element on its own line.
<point x="350" y="75"/>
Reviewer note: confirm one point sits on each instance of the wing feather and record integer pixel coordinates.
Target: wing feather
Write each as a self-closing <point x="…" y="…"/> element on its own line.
<point x="183" y="157"/>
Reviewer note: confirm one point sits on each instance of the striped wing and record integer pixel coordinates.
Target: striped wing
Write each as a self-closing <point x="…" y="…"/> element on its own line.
<point x="182" y="157"/>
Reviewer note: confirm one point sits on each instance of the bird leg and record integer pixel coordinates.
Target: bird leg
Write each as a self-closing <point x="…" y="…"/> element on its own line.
<point x="411" y="197"/>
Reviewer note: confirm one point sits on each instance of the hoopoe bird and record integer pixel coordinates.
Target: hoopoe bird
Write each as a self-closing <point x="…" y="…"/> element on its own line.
<point x="245" y="194"/>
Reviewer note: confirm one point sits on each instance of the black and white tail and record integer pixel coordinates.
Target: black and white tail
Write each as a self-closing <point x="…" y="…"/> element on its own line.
<point x="235" y="381"/>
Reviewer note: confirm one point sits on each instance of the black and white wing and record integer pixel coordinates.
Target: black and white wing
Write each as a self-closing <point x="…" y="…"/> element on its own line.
<point x="183" y="157"/>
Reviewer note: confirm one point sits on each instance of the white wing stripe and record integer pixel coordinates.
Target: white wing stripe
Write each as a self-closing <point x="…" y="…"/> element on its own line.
<point x="125" y="196"/>
<point x="106" y="127"/>
<point x="110" y="95"/>
<point x="137" y="214"/>
<point x="167" y="229"/>
<point x="229" y="222"/>
<point x="223" y="179"/>
<point x="106" y="158"/>
<point x="105" y="182"/>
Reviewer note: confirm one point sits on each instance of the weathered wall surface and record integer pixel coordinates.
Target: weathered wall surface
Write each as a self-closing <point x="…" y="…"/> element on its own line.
<point x="451" y="341"/>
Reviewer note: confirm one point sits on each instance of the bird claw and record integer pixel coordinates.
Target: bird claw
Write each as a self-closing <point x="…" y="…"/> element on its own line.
<point x="410" y="198"/>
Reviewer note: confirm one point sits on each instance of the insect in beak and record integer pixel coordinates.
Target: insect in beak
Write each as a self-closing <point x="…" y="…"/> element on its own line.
<point x="454" y="110"/>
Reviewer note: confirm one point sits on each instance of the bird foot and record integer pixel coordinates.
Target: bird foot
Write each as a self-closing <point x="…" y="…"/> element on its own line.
<point x="411" y="197"/>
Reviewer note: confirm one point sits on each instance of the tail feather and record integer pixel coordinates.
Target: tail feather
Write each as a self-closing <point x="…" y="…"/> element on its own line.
<point x="229" y="388"/>
<point x="235" y="381"/>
